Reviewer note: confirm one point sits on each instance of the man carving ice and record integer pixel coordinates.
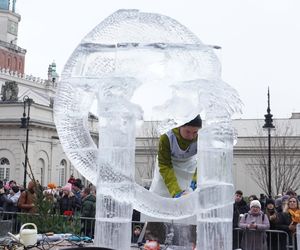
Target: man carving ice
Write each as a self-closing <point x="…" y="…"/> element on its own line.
<point x="176" y="173"/>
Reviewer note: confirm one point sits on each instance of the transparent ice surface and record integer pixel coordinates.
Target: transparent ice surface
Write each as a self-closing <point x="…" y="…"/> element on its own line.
<point x="144" y="65"/>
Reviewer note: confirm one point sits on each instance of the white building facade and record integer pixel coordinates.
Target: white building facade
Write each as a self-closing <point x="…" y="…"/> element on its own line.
<point x="46" y="157"/>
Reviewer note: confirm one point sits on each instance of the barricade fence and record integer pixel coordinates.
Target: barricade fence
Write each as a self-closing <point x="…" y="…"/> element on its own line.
<point x="253" y="239"/>
<point x="263" y="239"/>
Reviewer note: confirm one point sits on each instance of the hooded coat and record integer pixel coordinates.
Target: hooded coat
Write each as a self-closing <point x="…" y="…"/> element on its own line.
<point x="26" y="202"/>
<point x="11" y="202"/>
<point x="239" y="208"/>
<point x="254" y="239"/>
<point x="89" y="206"/>
<point x="67" y="203"/>
<point x="88" y="210"/>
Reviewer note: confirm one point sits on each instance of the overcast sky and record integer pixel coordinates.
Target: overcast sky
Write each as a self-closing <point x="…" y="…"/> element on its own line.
<point x="260" y="40"/>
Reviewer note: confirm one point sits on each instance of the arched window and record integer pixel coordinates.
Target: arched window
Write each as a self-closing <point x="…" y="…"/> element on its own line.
<point x="4" y="169"/>
<point x="14" y="64"/>
<point x="62" y="173"/>
<point x="71" y="169"/>
<point x="41" y="171"/>
<point x="8" y="62"/>
<point x="2" y="60"/>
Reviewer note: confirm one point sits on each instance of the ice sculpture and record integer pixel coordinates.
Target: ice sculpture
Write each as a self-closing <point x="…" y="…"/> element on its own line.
<point x="156" y="61"/>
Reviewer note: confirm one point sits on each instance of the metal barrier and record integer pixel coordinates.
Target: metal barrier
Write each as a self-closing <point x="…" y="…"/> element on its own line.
<point x="272" y="239"/>
<point x="11" y="218"/>
<point x="87" y="226"/>
<point x="263" y="239"/>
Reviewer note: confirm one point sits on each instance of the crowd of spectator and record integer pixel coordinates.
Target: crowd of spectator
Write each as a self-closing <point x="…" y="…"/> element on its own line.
<point x="71" y="199"/>
<point x="253" y="215"/>
<point x="257" y="215"/>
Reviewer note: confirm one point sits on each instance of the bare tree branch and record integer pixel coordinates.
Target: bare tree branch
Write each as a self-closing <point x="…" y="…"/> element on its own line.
<point x="285" y="160"/>
<point x="150" y="144"/>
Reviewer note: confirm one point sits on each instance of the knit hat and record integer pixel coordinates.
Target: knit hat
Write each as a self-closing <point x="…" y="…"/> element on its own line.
<point x="137" y="227"/>
<point x="278" y="202"/>
<point x="15" y="189"/>
<point x="196" y="122"/>
<point x="270" y="201"/>
<point x="285" y="198"/>
<point x="255" y="203"/>
<point x="77" y="183"/>
<point x="67" y="187"/>
<point x="51" y="186"/>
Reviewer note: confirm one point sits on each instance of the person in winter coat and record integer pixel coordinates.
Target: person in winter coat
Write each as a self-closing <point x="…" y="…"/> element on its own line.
<point x="281" y="203"/>
<point x="11" y="200"/>
<point x="273" y="217"/>
<point x="176" y="172"/>
<point x="2" y="196"/>
<point x="240" y="207"/>
<point x="67" y="203"/>
<point x="289" y="219"/>
<point x="254" y="223"/>
<point x="136" y="233"/>
<point x="71" y="179"/>
<point x="76" y="189"/>
<point x="88" y="210"/>
<point x="28" y="198"/>
<point x="88" y="204"/>
<point x="272" y="214"/>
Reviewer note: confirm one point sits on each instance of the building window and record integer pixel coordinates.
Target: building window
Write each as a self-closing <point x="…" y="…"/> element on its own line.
<point x="71" y="169"/>
<point x="62" y="173"/>
<point x="8" y="62"/>
<point x="41" y="171"/>
<point x="14" y="64"/>
<point x="4" y="169"/>
<point x="2" y="60"/>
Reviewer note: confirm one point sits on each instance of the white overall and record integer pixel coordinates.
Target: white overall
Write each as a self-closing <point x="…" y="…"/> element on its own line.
<point x="184" y="163"/>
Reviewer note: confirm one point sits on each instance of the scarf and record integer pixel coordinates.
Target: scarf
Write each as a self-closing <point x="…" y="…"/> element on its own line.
<point x="295" y="215"/>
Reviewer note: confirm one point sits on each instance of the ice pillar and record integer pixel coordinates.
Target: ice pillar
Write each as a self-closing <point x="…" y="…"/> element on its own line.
<point x="116" y="154"/>
<point x="214" y="216"/>
<point x="113" y="223"/>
